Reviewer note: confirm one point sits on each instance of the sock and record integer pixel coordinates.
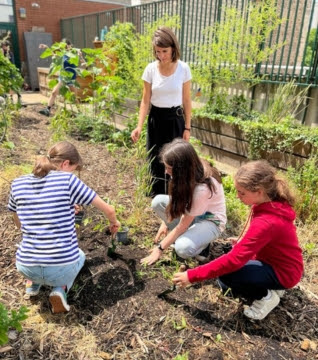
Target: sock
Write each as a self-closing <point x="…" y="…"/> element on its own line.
<point x="268" y="296"/>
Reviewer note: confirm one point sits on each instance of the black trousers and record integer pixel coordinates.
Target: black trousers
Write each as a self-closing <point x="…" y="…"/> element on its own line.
<point x="164" y="125"/>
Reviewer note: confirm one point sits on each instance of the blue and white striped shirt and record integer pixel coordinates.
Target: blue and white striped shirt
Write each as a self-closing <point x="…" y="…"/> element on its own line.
<point x="45" y="207"/>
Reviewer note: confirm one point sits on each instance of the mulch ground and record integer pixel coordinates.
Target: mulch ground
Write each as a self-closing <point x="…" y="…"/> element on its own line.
<point x="114" y="301"/>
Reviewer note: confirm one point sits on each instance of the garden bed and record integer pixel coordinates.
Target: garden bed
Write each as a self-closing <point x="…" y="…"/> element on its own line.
<point x="228" y="143"/>
<point x="115" y="311"/>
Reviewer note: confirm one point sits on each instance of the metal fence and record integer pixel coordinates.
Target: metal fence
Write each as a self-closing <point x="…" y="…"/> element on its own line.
<point x="296" y="60"/>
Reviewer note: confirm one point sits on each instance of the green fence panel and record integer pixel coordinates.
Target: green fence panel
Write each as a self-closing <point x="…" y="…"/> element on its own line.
<point x="286" y="64"/>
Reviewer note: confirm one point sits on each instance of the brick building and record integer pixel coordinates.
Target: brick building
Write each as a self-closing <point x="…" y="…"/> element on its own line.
<point x="45" y="15"/>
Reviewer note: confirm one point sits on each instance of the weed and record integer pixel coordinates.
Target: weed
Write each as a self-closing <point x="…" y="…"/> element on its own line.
<point x="180" y="325"/>
<point x="184" y="356"/>
<point x="10" y="319"/>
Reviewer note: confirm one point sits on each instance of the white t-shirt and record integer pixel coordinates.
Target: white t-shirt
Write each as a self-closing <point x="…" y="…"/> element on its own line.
<point x="166" y="91"/>
<point x="203" y="202"/>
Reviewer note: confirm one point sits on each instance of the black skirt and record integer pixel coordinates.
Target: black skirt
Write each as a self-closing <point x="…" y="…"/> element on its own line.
<point x="164" y="125"/>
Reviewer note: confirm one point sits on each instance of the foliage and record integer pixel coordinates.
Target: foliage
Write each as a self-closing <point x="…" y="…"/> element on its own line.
<point x="10" y="77"/>
<point x="119" y="45"/>
<point x="285" y="103"/>
<point x="236" y="211"/>
<point x="180" y="326"/>
<point x="58" y="51"/>
<point x="184" y="356"/>
<point x="232" y="47"/>
<point x="305" y="179"/>
<point x="10" y="319"/>
<point x="276" y="129"/>
<point x="310" y="48"/>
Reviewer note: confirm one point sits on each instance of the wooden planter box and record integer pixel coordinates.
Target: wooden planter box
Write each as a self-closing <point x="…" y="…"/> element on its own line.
<point x="81" y="93"/>
<point x="227" y="143"/>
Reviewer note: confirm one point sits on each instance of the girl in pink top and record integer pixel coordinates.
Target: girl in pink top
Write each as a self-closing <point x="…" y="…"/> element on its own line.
<point x="194" y="213"/>
<point x="267" y="259"/>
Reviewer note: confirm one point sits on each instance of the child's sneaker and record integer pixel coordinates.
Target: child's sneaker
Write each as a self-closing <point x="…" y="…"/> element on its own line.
<point x="45" y="112"/>
<point x="261" y="308"/>
<point x="32" y="289"/>
<point x="58" y="301"/>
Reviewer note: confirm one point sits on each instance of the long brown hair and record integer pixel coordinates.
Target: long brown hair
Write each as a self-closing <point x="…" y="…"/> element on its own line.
<point x="187" y="172"/>
<point x="256" y="175"/>
<point x="164" y="38"/>
<point x="56" y="155"/>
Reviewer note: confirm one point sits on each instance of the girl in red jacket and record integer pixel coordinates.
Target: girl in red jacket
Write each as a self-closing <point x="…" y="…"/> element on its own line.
<point x="267" y="258"/>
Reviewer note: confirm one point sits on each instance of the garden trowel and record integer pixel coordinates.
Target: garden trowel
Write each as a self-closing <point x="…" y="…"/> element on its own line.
<point x="173" y="287"/>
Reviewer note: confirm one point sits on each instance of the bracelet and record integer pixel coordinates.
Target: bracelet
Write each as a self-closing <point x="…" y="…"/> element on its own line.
<point x="160" y="247"/>
<point x="189" y="129"/>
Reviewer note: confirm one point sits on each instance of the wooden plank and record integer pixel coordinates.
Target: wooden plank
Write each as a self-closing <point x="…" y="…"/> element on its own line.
<point x="222" y="142"/>
<point x="222" y="156"/>
<point x="218" y="127"/>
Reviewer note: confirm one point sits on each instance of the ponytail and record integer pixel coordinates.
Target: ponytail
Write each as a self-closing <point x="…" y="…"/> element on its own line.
<point x="43" y="166"/>
<point x="56" y="156"/>
<point x="259" y="174"/>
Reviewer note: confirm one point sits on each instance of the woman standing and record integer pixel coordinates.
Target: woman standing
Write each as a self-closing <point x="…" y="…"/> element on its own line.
<point x="194" y="211"/>
<point x="166" y="89"/>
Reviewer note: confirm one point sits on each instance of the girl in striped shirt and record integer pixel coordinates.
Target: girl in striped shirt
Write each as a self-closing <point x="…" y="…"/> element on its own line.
<point x="43" y="205"/>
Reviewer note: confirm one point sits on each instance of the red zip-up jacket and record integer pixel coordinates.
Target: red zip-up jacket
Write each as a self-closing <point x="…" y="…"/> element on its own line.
<point x="270" y="238"/>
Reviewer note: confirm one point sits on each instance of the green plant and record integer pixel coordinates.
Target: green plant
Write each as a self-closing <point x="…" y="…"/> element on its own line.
<point x="10" y="319"/>
<point x="310" y="48"/>
<point x="60" y="123"/>
<point x="310" y="249"/>
<point x="285" y="102"/>
<point x="236" y="211"/>
<point x="180" y="325"/>
<point x="10" y="77"/>
<point x="184" y="356"/>
<point x="232" y="48"/>
<point x="305" y="179"/>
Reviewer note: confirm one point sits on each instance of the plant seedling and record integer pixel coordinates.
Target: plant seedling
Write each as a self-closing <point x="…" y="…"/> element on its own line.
<point x="173" y="287"/>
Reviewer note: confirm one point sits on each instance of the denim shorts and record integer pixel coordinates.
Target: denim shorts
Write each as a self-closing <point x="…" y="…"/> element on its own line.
<point x="55" y="276"/>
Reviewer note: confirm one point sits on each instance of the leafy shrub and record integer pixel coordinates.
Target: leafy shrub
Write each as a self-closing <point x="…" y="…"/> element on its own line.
<point x="10" y="77"/>
<point x="305" y="179"/>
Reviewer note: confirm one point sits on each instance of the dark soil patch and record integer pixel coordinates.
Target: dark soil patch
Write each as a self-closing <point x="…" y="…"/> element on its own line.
<point x="115" y="299"/>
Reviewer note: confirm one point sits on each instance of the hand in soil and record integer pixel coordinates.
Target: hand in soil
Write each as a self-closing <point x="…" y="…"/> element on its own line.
<point x="181" y="279"/>
<point x="114" y="227"/>
<point x="152" y="258"/>
<point x="162" y="231"/>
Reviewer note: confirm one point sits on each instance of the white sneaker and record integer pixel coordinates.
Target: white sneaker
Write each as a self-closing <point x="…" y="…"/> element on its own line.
<point x="261" y="308"/>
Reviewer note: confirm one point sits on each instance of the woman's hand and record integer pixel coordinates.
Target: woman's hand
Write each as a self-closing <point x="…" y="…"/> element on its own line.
<point x="186" y="135"/>
<point x="135" y="134"/>
<point x="153" y="257"/>
<point x="162" y="231"/>
<point x="114" y="227"/>
<point x="181" y="279"/>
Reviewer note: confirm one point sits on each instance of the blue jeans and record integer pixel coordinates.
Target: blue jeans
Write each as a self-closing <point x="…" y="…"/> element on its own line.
<point x="55" y="276"/>
<point x="251" y="281"/>
<point x="198" y="236"/>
